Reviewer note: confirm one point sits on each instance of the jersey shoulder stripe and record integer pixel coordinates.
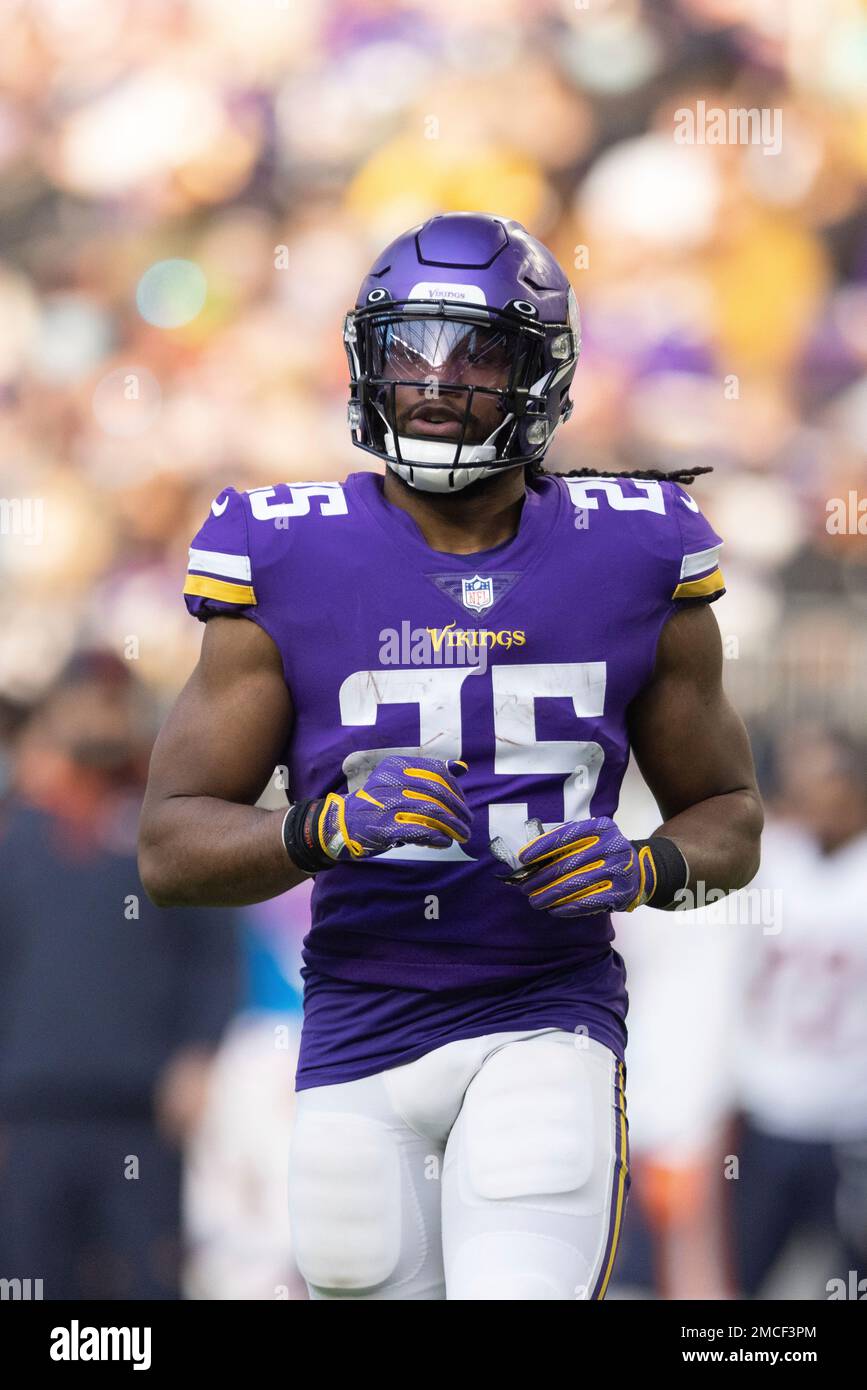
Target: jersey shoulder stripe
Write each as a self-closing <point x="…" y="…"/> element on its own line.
<point x="221" y="563"/>
<point x="200" y="586"/>
<point x="700" y="574"/>
<point x="220" y="571"/>
<point x="700" y="562"/>
<point x="710" y="586"/>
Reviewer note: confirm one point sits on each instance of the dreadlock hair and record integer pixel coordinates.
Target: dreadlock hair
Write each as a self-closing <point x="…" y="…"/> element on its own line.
<point x="685" y="476"/>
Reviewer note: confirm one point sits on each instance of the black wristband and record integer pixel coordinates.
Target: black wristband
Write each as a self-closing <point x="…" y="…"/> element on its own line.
<point x="300" y="839"/>
<point x="671" y="870"/>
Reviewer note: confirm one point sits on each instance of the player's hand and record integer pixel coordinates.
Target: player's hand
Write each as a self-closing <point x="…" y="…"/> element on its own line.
<point x="580" y="868"/>
<point x="405" y="801"/>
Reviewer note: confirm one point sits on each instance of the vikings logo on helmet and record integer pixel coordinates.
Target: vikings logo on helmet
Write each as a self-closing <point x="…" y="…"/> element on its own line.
<point x="462" y="347"/>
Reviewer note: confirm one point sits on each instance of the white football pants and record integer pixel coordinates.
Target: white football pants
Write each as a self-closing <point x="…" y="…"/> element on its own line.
<point x="491" y="1168"/>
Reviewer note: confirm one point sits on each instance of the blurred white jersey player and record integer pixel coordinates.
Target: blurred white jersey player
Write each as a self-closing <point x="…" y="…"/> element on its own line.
<point x="802" y="1032"/>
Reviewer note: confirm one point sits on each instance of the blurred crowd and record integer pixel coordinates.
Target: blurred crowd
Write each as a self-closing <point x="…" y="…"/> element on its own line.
<point x="190" y="193"/>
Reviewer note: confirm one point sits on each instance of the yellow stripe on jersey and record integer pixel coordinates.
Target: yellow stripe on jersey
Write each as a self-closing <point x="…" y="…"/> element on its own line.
<point x="203" y="587"/>
<point x="701" y="588"/>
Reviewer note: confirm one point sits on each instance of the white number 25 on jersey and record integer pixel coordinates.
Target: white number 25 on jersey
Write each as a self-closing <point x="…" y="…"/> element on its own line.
<point x="517" y="749"/>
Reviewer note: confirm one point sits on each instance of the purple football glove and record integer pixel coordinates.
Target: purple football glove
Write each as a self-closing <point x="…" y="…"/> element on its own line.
<point x="405" y="801"/>
<point x="580" y="868"/>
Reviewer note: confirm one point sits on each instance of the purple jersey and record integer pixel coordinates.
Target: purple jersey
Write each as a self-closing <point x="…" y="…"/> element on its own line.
<point x="521" y="660"/>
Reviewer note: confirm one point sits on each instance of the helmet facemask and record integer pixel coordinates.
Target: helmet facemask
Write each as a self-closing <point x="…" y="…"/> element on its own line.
<point x="446" y="393"/>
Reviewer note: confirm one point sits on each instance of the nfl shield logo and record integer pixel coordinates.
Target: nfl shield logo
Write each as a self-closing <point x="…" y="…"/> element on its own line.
<point x="478" y="593"/>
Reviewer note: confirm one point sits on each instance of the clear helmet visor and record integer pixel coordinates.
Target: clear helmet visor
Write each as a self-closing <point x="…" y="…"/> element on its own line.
<point x="441" y="352"/>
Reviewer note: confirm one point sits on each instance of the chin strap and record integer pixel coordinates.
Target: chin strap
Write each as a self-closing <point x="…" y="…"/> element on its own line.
<point x="438" y="452"/>
<point x="424" y="463"/>
<point x="440" y="480"/>
<point x="428" y="471"/>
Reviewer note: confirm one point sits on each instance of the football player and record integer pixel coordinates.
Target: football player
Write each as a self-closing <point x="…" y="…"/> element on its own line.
<point x="452" y="663"/>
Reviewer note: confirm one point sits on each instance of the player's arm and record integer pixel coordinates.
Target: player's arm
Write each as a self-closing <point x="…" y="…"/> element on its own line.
<point x="693" y="751"/>
<point x="202" y="841"/>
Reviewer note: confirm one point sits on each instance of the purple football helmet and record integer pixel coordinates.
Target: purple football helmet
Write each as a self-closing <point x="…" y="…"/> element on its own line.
<point x="462" y="347"/>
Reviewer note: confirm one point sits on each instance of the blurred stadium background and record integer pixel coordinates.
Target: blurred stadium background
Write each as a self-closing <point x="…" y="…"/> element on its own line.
<point x="190" y="191"/>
